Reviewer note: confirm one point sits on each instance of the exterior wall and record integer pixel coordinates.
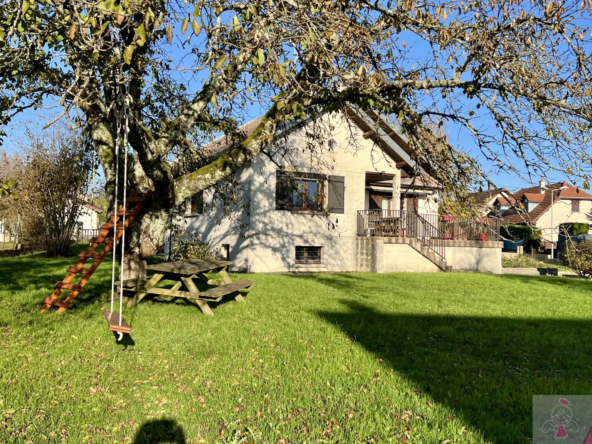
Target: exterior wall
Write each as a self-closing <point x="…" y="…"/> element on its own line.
<point x="403" y="257"/>
<point x="274" y="234"/>
<point x="214" y="227"/>
<point x="428" y="204"/>
<point x="562" y="214"/>
<point x="88" y="218"/>
<point x="485" y="257"/>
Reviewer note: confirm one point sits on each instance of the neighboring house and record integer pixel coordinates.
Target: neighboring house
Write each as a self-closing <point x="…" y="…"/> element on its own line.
<point x="492" y="202"/>
<point x="88" y="218"/>
<point x="357" y="210"/>
<point x="533" y="205"/>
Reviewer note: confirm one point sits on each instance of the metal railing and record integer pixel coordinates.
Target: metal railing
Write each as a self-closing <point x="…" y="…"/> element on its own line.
<point x="431" y="236"/>
<point x="432" y="230"/>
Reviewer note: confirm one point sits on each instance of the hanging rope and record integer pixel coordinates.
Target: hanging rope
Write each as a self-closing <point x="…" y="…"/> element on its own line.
<point x="122" y="115"/>
<point x="118" y="129"/>
<point x="125" y="147"/>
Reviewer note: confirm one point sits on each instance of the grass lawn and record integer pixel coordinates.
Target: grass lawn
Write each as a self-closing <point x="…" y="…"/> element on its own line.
<point x="526" y="261"/>
<point x="351" y="358"/>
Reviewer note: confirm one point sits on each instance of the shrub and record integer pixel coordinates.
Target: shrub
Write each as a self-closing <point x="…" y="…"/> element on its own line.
<point x="52" y="189"/>
<point x="574" y="228"/>
<point x="532" y="235"/>
<point x="578" y="257"/>
<point x="191" y="247"/>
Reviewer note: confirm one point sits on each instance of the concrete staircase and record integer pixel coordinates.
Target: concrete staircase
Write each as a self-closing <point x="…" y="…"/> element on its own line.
<point x="424" y="251"/>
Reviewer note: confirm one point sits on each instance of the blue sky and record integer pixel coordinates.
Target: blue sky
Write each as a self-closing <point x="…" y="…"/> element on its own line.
<point x="459" y="137"/>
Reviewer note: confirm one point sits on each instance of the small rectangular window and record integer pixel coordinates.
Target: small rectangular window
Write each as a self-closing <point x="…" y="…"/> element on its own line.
<point x="575" y="206"/>
<point x="308" y="255"/>
<point x="196" y="204"/>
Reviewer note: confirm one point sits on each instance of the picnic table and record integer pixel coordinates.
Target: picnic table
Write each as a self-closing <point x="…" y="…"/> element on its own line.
<point x="186" y="274"/>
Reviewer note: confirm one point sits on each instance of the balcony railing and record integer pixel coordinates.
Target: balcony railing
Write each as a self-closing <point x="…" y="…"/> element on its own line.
<point x="391" y="223"/>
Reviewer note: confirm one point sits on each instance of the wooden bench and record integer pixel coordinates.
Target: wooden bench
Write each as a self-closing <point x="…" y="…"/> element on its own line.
<point x="215" y="294"/>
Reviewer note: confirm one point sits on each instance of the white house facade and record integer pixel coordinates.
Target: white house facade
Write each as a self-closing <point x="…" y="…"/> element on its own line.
<point x="357" y="210"/>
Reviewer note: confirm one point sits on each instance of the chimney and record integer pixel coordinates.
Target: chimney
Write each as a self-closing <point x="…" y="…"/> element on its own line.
<point x="541" y="186"/>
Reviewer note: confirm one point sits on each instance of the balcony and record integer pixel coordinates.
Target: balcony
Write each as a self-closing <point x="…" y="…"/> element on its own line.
<point x="394" y="223"/>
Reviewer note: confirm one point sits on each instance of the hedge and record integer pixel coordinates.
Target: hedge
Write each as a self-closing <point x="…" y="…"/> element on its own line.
<point x="574" y="228"/>
<point x="532" y="235"/>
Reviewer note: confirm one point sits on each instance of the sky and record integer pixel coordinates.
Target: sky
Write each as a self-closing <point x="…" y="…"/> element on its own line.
<point x="34" y="120"/>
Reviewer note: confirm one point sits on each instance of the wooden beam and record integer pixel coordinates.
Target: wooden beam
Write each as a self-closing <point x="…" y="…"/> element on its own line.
<point x="368" y="134"/>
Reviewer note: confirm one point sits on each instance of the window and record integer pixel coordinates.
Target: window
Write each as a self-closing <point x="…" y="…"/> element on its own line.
<point x="306" y="195"/>
<point x="575" y="206"/>
<point x="196" y="204"/>
<point x="308" y="255"/>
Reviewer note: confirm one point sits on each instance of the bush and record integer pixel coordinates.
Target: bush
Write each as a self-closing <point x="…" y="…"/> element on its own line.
<point x="574" y="228"/>
<point x="191" y="247"/>
<point x="578" y="257"/>
<point x="52" y="189"/>
<point x="532" y="235"/>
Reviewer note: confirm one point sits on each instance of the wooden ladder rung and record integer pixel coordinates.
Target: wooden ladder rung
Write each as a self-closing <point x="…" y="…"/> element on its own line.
<point x="56" y="302"/>
<point x="135" y="199"/>
<point x="68" y="286"/>
<point x="127" y="213"/>
<point x="87" y="255"/>
<point x="99" y="240"/>
<point x="80" y="270"/>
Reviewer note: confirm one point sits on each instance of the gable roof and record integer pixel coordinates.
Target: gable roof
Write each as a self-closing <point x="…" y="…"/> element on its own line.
<point x="534" y="197"/>
<point x="571" y="192"/>
<point x="385" y="131"/>
<point x="505" y="200"/>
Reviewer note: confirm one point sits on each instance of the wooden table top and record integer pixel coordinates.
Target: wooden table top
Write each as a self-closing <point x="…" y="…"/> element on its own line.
<point x="189" y="267"/>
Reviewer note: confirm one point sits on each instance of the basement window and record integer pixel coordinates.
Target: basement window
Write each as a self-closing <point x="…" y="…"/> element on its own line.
<point x="308" y="255"/>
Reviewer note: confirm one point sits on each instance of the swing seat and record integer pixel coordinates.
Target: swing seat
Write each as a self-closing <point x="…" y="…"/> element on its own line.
<point x="112" y="318"/>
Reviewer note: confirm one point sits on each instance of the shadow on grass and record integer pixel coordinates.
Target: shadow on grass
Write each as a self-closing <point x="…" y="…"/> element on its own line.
<point x="160" y="431"/>
<point x="485" y="369"/>
<point x="39" y="273"/>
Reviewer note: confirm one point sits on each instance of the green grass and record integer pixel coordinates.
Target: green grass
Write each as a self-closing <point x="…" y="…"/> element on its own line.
<point x="351" y="358"/>
<point x="526" y="261"/>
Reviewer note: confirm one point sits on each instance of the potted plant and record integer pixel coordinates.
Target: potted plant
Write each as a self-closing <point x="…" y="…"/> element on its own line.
<point x="447" y="227"/>
<point x="483" y="234"/>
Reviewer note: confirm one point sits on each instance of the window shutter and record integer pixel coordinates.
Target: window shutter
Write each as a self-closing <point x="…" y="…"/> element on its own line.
<point x="337" y="194"/>
<point x="283" y="199"/>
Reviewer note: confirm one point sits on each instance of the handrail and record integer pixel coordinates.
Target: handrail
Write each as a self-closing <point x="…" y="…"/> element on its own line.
<point x="432" y="240"/>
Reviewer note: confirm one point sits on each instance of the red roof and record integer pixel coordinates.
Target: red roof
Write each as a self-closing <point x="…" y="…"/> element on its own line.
<point x="509" y="200"/>
<point x="545" y="203"/>
<point x="532" y="197"/>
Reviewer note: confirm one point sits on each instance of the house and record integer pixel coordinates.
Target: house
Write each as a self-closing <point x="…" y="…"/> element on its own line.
<point x="492" y="202"/>
<point x="360" y="207"/>
<point x="87" y="224"/>
<point x="547" y="207"/>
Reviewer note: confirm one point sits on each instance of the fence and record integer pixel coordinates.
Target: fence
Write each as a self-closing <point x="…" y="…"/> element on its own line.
<point x="391" y="223"/>
<point x="87" y="234"/>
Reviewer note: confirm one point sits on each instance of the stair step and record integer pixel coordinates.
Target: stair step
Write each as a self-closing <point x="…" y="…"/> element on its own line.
<point x="68" y="286"/>
<point x="103" y="240"/>
<point x="80" y="270"/>
<point x="87" y="255"/>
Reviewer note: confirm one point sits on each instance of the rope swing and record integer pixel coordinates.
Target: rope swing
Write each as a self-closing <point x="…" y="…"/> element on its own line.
<point x="116" y="321"/>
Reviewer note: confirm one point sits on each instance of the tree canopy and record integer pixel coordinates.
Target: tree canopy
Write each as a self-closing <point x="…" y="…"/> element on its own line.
<point x="515" y="75"/>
